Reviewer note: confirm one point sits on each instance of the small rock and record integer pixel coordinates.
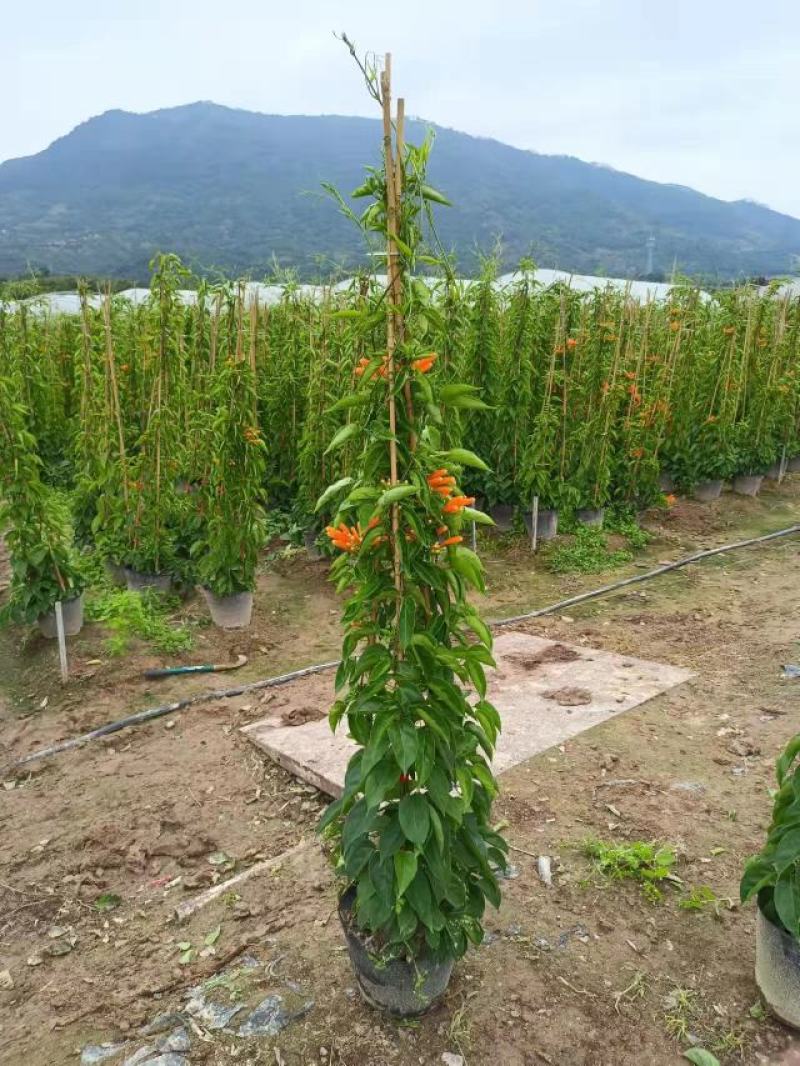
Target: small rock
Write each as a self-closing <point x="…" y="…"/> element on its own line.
<point x="270" y="1017"/>
<point x="6" y="981"/>
<point x="178" y="1040"/>
<point x="544" y="870"/>
<point x="687" y="786"/>
<point x="58" y="947"/>
<point x="212" y="1015"/>
<point x="93" y="1054"/>
<point x="449" y="1059"/>
<point x="34" y="960"/>
<point x="162" y="1022"/>
<point x="138" y="1058"/>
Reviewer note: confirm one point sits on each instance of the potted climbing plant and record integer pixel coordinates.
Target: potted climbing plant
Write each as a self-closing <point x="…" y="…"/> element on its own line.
<point x="44" y="566"/>
<point x="773" y="878"/>
<point x="231" y="512"/>
<point x="411" y="834"/>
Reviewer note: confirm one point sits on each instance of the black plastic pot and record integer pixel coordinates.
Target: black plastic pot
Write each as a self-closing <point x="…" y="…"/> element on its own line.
<point x="403" y="989"/>
<point x="591" y="516"/>
<point x="546" y="523"/>
<point x="778" y="970"/>
<point x="229" y="612"/>
<point x="747" y="484"/>
<point x="138" y="581"/>
<point x="707" y="491"/>
<point x="71" y="614"/>
<point x="503" y="516"/>
<point x="311" y="546"/>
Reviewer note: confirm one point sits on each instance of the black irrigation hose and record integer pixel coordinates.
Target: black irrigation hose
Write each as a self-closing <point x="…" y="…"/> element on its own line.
<point x="282" y="679"/>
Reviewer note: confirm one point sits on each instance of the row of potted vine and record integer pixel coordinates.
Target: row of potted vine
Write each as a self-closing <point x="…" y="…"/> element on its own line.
<point x="227" y="612"/>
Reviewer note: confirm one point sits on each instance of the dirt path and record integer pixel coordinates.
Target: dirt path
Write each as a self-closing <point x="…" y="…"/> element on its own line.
<point x="580" y="974"/>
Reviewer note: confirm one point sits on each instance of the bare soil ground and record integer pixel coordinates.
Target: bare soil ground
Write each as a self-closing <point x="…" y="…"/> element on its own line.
<point x="584" y="973"/>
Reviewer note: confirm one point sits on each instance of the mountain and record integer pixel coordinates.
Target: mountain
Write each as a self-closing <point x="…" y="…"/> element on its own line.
<point x="236" y="190"/>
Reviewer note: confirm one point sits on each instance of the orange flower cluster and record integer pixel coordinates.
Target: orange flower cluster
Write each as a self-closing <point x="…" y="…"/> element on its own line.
<point x="381" y="371"/>
<point x="346" y="539"/>
<point x="252" y="435"/>
<point x="729" y="331"/>
<point x="441" y="482"/>
<point x="571" y="342"/>
<point x="425" y="362"/>
<point x="635" y="395"/>
<point x="670" y="500"/>
<point x="458" y="503"/>
<point x="637" y="453"/>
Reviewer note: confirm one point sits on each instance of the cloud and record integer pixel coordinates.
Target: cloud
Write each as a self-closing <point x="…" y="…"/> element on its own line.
<point x="702" y="94"/>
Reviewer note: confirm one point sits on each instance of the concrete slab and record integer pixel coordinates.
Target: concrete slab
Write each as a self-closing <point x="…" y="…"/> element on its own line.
<point x="546" y="692"/>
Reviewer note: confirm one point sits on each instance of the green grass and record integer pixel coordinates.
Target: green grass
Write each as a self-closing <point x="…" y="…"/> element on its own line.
<point x="144" y="615"/>
<point x="642" y="862"/>
<point x="587" y="554"/>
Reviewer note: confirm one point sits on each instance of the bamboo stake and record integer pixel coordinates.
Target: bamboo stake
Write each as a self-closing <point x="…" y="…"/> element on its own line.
<point x="391" y="336"/>
<point x="115" y="393"/>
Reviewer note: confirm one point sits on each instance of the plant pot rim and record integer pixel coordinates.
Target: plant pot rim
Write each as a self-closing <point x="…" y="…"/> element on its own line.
<point x="227" y="595"/>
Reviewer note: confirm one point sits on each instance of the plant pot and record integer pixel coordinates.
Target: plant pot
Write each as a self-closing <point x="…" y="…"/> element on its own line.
<point x="310" y="541"/>
<point x="747" y="484"/>
<point x="401" y="988"/>
<point x="776" y="471"/>
<point x="503" y="516"/>
<point x="706" y="491"/>
<point x="72" y="615"/>
<point x="591" y="516"/>
<point x="793" y="464"/>
<point x="115" y="572"/>
<point x="230" y="612"/>
<point x="137" y="581"/>
<point x="546" y="523"/>
<point x="666" y="482"/>
<point x="778" y="970"/>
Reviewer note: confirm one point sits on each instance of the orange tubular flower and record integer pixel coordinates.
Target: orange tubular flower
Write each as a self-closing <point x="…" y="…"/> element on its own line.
<point x="637" y="453"/>
<point x="670" y="500"/>
<point x="441" y="482"/>
<point x="458" y="503"/>
<point x="571" y="342"/>
<point x="425" y="362"/>
<point x="450" y="541"/>
<point x="344" y="538"/>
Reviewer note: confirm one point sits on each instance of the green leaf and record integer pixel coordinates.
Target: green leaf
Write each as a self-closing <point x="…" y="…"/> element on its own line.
<point x="107" y="902"/>
<point x="380" y="781"/>
<point x="342" y="435"/>
<point x="405" y="870"/>
<point x="397" y="492"/>
<point x="212" y="937"/>
<point x="700" y="1057"/>
<point x="415" y="818"/>
<point x="429" y="193"/>
<point x="332" y="490"/>
<point x="405" y="744"/>
<point x="408" y="614"/>
<point x="478" y="517"/>
<point x="463" y="457"/>
<point x="787" y="900"/>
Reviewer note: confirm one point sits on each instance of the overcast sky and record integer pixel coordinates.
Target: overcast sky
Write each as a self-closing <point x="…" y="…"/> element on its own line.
<point x="700" y="92"/>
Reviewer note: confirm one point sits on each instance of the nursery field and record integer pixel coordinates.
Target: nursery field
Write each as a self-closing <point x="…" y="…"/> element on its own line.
<point x="195" y="486"/>
<point x="100" y="846"/>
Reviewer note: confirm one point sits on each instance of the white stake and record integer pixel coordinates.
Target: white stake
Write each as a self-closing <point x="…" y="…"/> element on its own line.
<point x="534" y="522"/>
<point x="474" y="537"/>
<point x="782" y="469"/>
<point x="62" y="643"/>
